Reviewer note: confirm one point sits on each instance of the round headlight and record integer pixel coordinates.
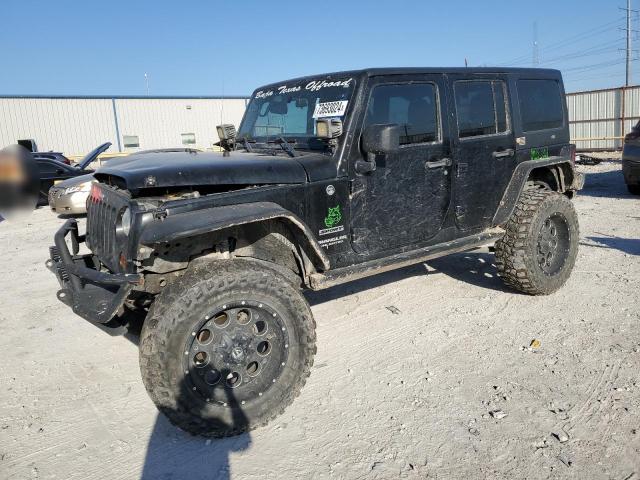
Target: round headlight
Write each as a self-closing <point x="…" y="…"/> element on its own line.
<point x="124" y="225"/>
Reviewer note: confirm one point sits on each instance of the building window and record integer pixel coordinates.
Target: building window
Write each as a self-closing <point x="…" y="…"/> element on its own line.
<point x="130" y="141"/>
<point x="188" y="138"/>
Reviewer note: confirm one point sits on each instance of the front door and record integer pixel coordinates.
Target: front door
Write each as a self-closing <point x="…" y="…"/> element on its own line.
<point x="484" y="148"/>
<point x="404" y="201"/>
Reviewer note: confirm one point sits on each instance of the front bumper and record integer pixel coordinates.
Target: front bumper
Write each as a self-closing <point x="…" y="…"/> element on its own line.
<point x="95" y="295"/>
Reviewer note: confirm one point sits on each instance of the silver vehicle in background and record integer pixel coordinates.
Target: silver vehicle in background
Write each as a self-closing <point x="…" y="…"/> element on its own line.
<point x="69" y="197"/>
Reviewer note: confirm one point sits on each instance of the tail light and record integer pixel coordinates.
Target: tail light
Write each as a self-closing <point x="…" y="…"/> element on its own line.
<point x="572" y="153"/>
<point x="634" y="135"/>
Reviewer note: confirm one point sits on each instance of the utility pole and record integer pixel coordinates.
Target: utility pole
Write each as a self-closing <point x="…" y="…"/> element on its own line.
<point x="536" y="52"/>
<point x="628" y="81"/>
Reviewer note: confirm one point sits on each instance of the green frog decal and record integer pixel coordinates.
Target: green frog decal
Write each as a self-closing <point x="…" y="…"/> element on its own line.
<point x="333" y="217"/>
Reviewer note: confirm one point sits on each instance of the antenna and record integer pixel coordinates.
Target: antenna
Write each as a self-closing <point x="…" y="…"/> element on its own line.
<point x="222" y="104"/>
<point x="536" y="50"/>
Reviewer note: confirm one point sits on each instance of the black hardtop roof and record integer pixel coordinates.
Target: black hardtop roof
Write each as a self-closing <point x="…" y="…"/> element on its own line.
<point x="370" y="72"/>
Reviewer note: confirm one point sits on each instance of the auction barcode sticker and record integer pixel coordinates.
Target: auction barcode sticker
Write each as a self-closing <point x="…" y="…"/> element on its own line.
<point x="330" y="109"/>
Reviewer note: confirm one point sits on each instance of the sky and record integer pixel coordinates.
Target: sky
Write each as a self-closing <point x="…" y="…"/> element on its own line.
<point x="216" y="47"/>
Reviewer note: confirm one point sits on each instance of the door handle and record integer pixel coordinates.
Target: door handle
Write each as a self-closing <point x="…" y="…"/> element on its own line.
<point x="445" y="162"/>
<point x="503" y="153"/>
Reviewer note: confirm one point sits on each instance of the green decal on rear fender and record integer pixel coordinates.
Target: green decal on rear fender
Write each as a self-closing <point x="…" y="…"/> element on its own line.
<point x="539" y="153"/>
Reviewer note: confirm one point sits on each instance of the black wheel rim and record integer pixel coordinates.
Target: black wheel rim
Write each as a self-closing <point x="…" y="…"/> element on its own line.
<point x="553" y="244"/>
<point x="237" y="352"/>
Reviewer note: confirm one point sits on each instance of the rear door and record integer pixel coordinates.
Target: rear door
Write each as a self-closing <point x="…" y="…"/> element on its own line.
<point x="484" y="147"/>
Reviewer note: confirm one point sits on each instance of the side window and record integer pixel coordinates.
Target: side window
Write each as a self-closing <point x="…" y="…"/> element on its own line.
<point x="540" y="104"/>
<point x="481" y="108"/>
<point x="412" y="106"/>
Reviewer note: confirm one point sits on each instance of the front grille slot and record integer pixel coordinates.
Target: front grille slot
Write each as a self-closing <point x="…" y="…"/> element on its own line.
<point x="102" y="216"/>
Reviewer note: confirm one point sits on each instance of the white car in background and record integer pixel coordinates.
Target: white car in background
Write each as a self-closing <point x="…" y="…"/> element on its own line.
<point x="69" y="197"/>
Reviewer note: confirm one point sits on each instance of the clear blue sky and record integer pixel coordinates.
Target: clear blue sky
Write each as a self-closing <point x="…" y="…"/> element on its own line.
<point x="214" y="47"/>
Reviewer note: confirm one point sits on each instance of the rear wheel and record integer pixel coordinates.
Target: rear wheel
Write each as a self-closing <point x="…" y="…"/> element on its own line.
<point x="226" y="348"/>
<point x="538" y="252"/>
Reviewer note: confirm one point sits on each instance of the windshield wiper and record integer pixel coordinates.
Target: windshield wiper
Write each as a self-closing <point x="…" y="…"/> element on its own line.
<point x="285" y="145"/>
<point x="247" y="146"/>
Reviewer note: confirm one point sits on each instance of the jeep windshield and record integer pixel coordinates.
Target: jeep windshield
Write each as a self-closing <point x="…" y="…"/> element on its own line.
<point x="290" y="110"/>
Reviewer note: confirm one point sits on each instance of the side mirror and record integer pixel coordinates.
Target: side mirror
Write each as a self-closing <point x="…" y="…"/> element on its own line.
<point x="381" y="139"/>
<point x="378" y="139"/>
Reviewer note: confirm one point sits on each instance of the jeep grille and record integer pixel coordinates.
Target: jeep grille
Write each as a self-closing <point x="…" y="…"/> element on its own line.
<point x="103" y="207"/>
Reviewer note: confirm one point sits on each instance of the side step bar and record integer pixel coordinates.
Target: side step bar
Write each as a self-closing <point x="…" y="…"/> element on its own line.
<point x="320" y="281"/>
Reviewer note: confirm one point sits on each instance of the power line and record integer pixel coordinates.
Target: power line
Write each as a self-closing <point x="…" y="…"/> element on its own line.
<point x="594" y="66"/>
<point x="585" y="52"/>
<point x="606" y="27"/>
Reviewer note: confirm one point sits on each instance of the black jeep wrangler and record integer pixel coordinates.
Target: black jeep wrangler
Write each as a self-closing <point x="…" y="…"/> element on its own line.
<point x="328" y="179"/>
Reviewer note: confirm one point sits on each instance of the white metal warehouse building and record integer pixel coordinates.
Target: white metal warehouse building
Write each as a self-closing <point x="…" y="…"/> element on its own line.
<point x="76" y="125"/>
<point x="598" y="119"/>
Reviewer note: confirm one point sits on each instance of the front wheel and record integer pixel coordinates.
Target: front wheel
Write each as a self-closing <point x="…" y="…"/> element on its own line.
<point x="539" y="249"/>
<point x="226" y="348"/>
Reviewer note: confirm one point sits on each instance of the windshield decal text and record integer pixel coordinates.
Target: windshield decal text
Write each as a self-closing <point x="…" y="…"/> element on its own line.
<point x="312" y="86"/>
<point x="320" y="84"/>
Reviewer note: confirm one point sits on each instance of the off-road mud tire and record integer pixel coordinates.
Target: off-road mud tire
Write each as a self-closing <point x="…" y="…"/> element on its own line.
<point x="517" y="252"/>
<point x="169" y="325"/>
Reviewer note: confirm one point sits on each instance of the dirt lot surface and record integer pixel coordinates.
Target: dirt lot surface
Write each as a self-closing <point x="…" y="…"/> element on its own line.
<point x="409" y="366"/>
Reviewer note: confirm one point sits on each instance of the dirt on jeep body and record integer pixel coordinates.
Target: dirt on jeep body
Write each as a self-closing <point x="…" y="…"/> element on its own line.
<point x="433" y="370"/>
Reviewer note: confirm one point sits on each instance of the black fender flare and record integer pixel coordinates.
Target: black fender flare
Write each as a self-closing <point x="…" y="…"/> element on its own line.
<point x="519" y="179"/>
<point x="177" y="226"/>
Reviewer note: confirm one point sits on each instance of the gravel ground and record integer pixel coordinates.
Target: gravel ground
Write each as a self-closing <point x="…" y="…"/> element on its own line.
<point x="410" y="366"/>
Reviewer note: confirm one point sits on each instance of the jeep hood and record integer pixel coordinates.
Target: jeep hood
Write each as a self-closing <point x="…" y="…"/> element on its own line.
<point x="175" y="169"/>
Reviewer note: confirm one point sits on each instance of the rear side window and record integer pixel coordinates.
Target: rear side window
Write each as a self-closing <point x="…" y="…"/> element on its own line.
<point x="414" y="107"/>
<point x="540" y="104"/>
<point x="481" y="108"/>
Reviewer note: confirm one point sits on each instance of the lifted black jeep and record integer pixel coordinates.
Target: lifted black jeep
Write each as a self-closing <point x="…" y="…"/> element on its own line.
<point x="329" y="178"/>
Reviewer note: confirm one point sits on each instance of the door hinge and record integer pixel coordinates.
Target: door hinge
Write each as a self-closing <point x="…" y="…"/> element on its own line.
<point x="460" y="211"/>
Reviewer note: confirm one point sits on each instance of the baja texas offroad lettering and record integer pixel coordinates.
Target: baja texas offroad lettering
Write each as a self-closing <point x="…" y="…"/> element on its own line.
<point x="262" y="94"/>
<point x="316" y="85"/>
<point x="285" y="89"/>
